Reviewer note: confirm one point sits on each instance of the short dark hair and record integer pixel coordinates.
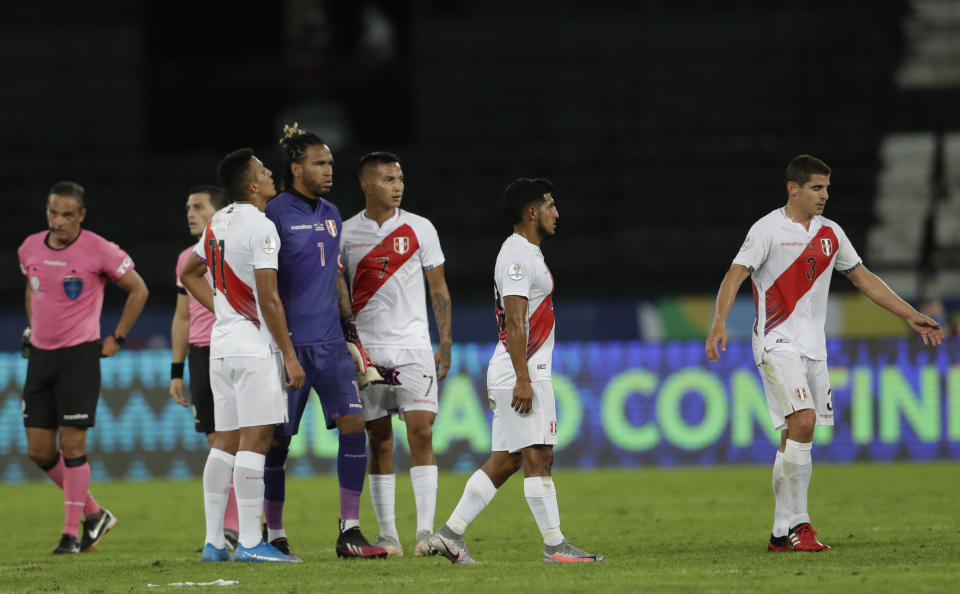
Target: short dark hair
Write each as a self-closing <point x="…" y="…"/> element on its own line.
<point x="803" y="167"/>
<point x="376" y="158"/>
<point x="295" y="142"/>
<point x="233" y="172"/>
<point x="69" y="188"/>
<point x="520" y="194"/>
<point x="218" y="198"/>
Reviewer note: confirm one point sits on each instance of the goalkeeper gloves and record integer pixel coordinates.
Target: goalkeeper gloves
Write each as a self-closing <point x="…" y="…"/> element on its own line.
<point x="367" y="371"/>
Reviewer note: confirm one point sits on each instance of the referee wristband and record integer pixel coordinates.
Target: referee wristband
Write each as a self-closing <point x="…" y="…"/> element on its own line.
<point x="176" y="371"/>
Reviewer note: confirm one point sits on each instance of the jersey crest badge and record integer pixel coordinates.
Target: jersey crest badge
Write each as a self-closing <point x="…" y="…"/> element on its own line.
<point x="268" y="245"/>
<point x="826" y="246"/>
<point x="401" y="244"/>
<point x="331" y="227"/>
<point x="72" y="286"/>
<point x="801" y="393"/>
<point x="553" y="427"/>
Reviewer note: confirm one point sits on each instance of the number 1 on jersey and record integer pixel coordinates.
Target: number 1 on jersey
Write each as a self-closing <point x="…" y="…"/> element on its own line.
<point x="217" y="266"/>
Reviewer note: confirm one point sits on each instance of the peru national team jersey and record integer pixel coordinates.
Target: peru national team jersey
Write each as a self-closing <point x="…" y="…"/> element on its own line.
<point x="384" y="267"/>
<point x="522" y="271"/>
<point x="790" y="269"/>
<point x="67" y="286"/>
<point x="309" y="267"/>
<point x="201" y="318"/>
<point x="238" y="240"/>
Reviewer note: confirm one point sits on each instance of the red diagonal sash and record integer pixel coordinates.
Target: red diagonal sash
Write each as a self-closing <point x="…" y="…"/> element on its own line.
<point x="815" y="259"/>
<point x="380" y="263"/>
<point x="239" y="295"/>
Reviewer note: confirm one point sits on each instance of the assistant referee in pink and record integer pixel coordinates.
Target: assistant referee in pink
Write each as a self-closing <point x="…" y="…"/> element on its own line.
<point x="67" y="269"/>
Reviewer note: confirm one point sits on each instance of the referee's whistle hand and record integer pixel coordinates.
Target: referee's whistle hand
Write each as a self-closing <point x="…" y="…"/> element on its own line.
<point x="109" y="347"/>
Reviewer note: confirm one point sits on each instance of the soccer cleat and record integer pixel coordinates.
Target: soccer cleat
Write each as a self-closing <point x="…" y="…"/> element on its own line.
<point x="351" y="543"/>
<point x="231" y="537"/>
<point x="262" y="553"/>
<point x="444" y="542"/>
<point x="567" y="553"/>
<point x="390" y="544"/>
<point x="423" y="547"/>
<point x="95" y="528"/>
<point x="779" y="544"/>
<point x="283" y="545"/>
<point x="211" y="554"/>
<point x="68" y="545"/>
<point x="804" y="538"/>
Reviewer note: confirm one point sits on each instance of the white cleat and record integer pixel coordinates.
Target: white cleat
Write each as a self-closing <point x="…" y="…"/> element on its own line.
<point x="445" y="543"/>
<point x="423" y="547"/>
<point x="391" y="545"/>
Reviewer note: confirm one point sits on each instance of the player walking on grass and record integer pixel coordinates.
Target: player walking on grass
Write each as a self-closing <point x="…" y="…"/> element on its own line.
<point x="386" y="253"/>
<point x="190" y="340"/>
<point x="250" y="352"/>
<point x="519" y="382"/>
<point x="67" y="269"/>
<point x="788" y="254"/>
<point x="318" y="313"/>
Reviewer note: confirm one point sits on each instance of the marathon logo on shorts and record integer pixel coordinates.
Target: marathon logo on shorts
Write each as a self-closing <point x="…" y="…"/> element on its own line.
<point x="801" y="393"/>
<point x="76" y="417"/>
<point x="401" y="244"/>
<point x="553" y="427"/>
<point x="72" y="286"/>
<point x="331" y="227"/>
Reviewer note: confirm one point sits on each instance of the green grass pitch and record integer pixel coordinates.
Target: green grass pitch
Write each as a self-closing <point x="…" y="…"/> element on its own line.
<point x="893" y="528"/>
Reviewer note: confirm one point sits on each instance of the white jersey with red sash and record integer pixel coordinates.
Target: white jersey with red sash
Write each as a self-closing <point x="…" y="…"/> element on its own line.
<point x="789" y="267"/>
<point x="521" y="271"/>
<point x="384" y="267"/>
<point x="238" y="240"/>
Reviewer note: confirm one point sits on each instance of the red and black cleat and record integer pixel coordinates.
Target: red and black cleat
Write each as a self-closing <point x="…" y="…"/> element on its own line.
<point x="352" y="544"/>
<point x="779" y="544"/>
<point x="804" y="538"/>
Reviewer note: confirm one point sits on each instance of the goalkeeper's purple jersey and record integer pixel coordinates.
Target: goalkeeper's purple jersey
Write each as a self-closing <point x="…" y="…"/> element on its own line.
<point x="308" y="266"/>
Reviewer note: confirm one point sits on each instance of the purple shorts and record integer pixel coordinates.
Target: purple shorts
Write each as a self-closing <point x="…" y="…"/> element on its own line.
<point x="331" y="372"/>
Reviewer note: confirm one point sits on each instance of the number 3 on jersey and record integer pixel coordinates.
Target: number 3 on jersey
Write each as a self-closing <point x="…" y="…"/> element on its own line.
<point x="216" y="264"/>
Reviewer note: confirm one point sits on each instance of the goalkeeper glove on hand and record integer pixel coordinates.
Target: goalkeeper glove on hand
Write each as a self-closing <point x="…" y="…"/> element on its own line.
<point x="366" y="372"/>
<point x="388" y="375"/>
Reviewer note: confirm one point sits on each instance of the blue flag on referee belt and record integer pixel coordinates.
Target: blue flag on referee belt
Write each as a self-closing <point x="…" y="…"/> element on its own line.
<point x="72" y="285"/>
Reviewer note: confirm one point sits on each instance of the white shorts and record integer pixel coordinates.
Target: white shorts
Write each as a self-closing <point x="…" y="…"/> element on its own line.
<point x="418" y="379"/>
<point x="512" y="431"/>
<point x="793" y="382"/>
<point x="248" y="391"/>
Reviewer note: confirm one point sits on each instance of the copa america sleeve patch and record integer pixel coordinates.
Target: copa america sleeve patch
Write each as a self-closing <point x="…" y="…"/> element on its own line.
<point x="517" y="271"/>
<point x="268" y="245"/>
<point x="747" y="244"/>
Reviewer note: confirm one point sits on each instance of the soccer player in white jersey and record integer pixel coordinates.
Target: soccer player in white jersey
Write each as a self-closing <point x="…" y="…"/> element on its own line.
<point x="387" y="252"/>
<point x="788" y="254"/>
<point x="250" y="352"/>
<point x="519" y="382"/>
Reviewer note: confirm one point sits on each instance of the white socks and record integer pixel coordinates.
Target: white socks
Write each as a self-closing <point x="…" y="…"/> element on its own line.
<point x="797" y="468"/>
<point x="248" y="486"/>
<point x="784" y="503"/>
<point x="424" y="479"/>
<point x="217" y="473"/>
<point x="542" y="498"/>
<point x="383" y="489"/>
<point x="477" y="494"/>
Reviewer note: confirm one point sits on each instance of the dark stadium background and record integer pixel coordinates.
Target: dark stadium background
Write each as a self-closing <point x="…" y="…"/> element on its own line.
<point x="664" y="125"/>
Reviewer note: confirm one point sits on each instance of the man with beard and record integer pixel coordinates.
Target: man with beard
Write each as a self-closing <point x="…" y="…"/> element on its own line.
<point x="319" y="318"/>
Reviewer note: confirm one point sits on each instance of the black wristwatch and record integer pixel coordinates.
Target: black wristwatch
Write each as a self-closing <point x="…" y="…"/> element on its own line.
<point x="119" y="339"/>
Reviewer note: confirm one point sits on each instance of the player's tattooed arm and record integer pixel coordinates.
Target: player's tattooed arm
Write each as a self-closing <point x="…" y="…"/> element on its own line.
<point x="440" y="299"/>
<point x="343" y="296"/>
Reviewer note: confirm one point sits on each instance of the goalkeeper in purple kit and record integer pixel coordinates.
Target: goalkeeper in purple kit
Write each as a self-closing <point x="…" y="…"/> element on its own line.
<point x="320" y="322"/>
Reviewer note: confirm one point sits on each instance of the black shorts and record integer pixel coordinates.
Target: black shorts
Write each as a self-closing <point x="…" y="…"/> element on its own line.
<point x="62" y="386"/>
<point x="201" y="396"/>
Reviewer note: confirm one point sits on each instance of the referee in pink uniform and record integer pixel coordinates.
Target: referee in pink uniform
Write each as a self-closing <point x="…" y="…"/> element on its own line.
<point x="67" y="269"/>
